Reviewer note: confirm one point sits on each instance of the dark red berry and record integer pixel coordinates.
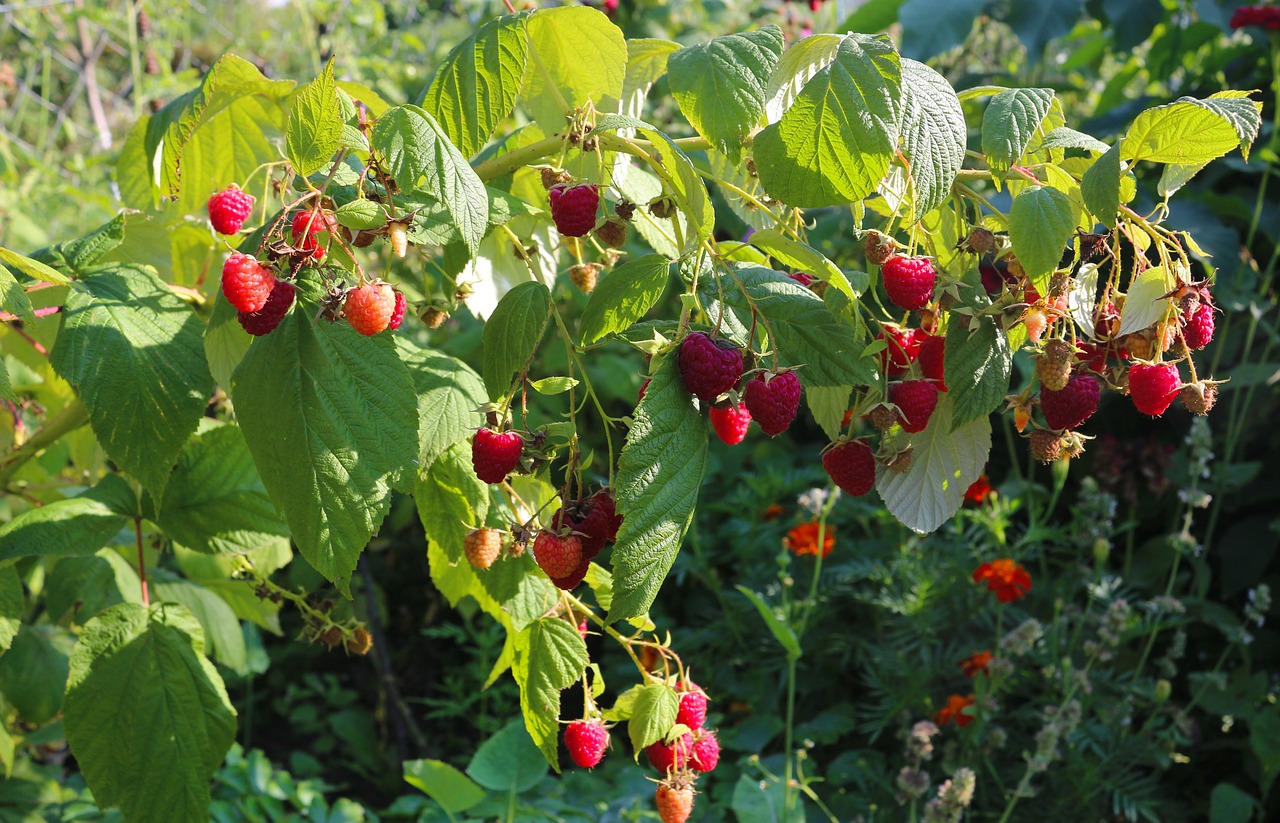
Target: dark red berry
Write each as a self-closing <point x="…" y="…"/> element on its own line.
<point x="773" y="400"/>
<point x="494" y="455"/>
<point x="909" y="281"/>
<point x="852" y="465"/>
<point x="1070" y="406"/>
<point x="573" y="208"/>
<point x="916" y="400"/>
<point x="264" y="320"/>
<point x="397" y="314"/>
<point x="709" y="368"/>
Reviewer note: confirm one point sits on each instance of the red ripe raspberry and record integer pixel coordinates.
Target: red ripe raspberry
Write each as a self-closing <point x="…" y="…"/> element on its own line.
<point x="495" y="455"/>
<point x="666" y="758"/>
<point x="604" y="501"/>
<point x="586" y="741"/>
<point x="246" y="283"/>
<point x="1093" y="357"/>
<point x="590" y="521"/>
<point x="909" y="281"/>
<point x="706" y="752"/>
<point x="570" y="581"/>
<point x="730" y="422"/>
<point x="773" y="400"/>
<point x="932" y="360"/>
<point x="369" y="308"/>
<point x="574" y="209"/>
<point x="803" y="278"/>
<point x="1070" y="406"/>
<point x="264" y="320"/>
<point x="229" y="208"/>
<point x="709" y="368"/>
<point x="916" y="400"/>
<point x="1197" y="329"/>
<point x="558" y="556"/>
<point x="852" y="466"/>
<point x="1153" y="386"/>
<point x="306" y="229"/>
<point x="397" y="314"/>
<point x="693" y="708"/>
<point x="902" y="346"/>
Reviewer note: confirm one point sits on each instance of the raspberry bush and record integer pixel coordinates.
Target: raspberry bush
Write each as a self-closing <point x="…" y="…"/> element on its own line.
<point x="294" y="397"/>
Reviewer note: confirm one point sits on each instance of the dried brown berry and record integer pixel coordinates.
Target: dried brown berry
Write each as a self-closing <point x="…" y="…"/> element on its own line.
<point x="1046" y="446"/>
<point x="585" y="276"/>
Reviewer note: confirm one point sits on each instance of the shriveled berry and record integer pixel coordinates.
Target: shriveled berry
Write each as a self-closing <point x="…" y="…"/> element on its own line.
<point x="909" y="281"/>
<point x="773" y="400"/>
<point x="1073" y="404"/>
<point x="585" y="276"/>
<point x="494" y="455"/>
<point x="1153" y="386"/>
<point x="264" y="320"/>
<point x="879" y="248"/>
<point x="916" y="400"/>
<point x="706" y="753"/>
<point x="1046" y="446"/>
<point x="709" y="368"/>
<point x="730" y="422"/>
<point x="668" y="757"/>
<point x="1197" y="329"/>
<point x="586" y="741"/>
<point x="573" y="208"/>
<point x="397" y="314"/>
<point x="482" y="547"/>
<point x="246" y="283"/>
<point x="558" y="556"/>
<point x="852" y="466"/>
<point x="932" y="360"/>
<point x="1198" y="398"/>
<point x="612" y="233"/>
<point x="554" y="177"/>
<point x="369" y="308"/>
<point x="229" y="208"/>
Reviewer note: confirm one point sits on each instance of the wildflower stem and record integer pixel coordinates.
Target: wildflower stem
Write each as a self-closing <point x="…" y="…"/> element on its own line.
<point x="791" y="716"/>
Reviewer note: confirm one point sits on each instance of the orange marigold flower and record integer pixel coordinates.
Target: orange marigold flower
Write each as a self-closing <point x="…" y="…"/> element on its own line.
<point x="803" y="539"/>
<point x="976" y="662"/>
<point x="953" y="712"/>
<point x="773" y="512"/>
<point x="1008" y="579"/>
<point x="978" y="490"/>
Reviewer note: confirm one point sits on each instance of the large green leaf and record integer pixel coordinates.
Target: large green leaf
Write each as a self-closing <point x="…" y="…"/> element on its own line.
<point x="978" y="365"/>
<point x="419" y="155"/>
<point x="331" y="420"/>
<point x="449" y="395"/>
<point x="135" y="353"/>
<point x="218" y="621"/>
<point x="1147" y="302"/>
<point x="577" y="56"/>
<point x="1190" y="131"/>
<point x="659" y="474"/>
<point x="451" y="499"/>
<point x="147" y="716"/>
<point x="32" y="268"/>
<point x="1012" y="118"/>
<point x="550" y="656"/>
<point x="508" y="762"/>
<point x="475" y="88"/>
<point x="646" y="62"/>
<point x="444" y="784"/>
<point x="512" y="335"/>
<point x="624" y="296"/>
<point x="834" y="144"/>
<point x="75" y="526"/>
<point x="934" y="135"/>
<point x="944" y="464"/>
<point x="314" y="132"/>
<point x="12" y="604"/>
<point x="33" y="672"/>
<point x="215" y="502"/>
<point x="798" y="65"/>
<point x="1100" y="186"/>
<point x="721" y="85"/>
<point x="653" y="713"/>
<point x="1041" y="223"/>
<point x="83" y="586"/>
<point x="801" y="257"/>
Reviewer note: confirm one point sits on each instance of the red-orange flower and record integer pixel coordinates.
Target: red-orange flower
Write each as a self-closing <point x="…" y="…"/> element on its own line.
<point x="1008" y="579"/>
<point x="978" y="490"/>
<point x="773" y="512"/>
<point x="953" y="712"/>
<point x="976" y="662"/>
<point x="803" y="539"/>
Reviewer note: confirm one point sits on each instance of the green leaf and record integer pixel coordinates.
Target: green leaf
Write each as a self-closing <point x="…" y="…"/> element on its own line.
<point x="449" y="395"/>
<point x="623" y="297"/>
<point x="801" y="257"/>
<point x="1100" y="187"/>
<point x="944" y="464"/>
<point x="32" y="268"/>
<point x="1041" y="224"/>
<point x="12" y="604"/>
<point x="720" y="85"/>
<point x="451" y="499"/>
<point x="1190" y="131"/>
<point x="834" y="144"/>
<point x="798" y="65"/>
<point x="13" y="298"/>
<point x="828" y="405"/>
<point x="1146" y="303"/>
<point x="761" y="801"/>
<point x="146" y="715"/>
<point x="134" y="352"/>
<point x="85" y="251"/>
<point x="219" y="623"/>
<point x="419" y="156"/>
<point x="653" y="713"/>
<point x="1230" y="804"/>
<point x="215" y="501"/>
<point x="225" y="341"/>
<point x="512" y="335"/>
<point x="1264" y="740"/>
<point x="219" y="574"/>
<point x="84" y="586"/>
<point x="475" y="88"/>
<point x="978" y="365"/>
<point x="315" y="124"/>
<point x="577" y="56"/>
<point x="934" y="135"/>
<point x="508" y="762"/>
<point x="361" y="214"/>
<point x="550" y="656"/>
<point x="804" y="329"/>
<point x="781" y="631"/>
<point x="76" y="526"/>
<point x="1012" y="118"/>
<point x="444" y="784"/>
<point x="659" y="473"/>
<point x="33" y="672"/>
<point x="331" y="420"/>
<point x="646" y="62"/>
<point x="1065" y="138"/>
<point x="551" y="386"/>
